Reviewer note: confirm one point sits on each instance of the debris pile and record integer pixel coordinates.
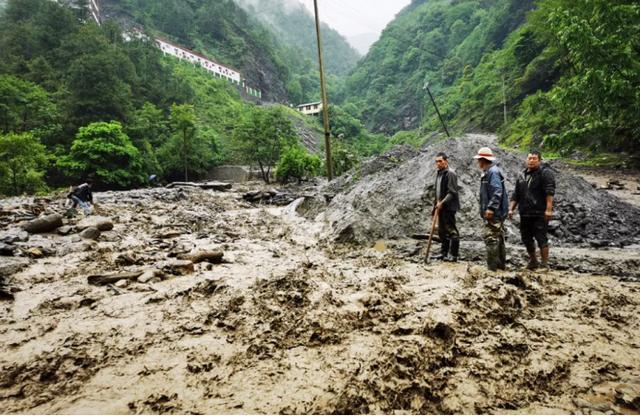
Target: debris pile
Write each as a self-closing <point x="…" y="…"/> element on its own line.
<point x="391" y="197"/>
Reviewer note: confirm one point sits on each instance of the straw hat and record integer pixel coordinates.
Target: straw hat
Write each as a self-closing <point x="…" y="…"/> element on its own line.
<point x="485" y="153"/>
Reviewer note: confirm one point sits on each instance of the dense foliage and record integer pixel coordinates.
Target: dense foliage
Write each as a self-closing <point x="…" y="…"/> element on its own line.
<point x="105" y="107"/>
<point x="561" y="74"/>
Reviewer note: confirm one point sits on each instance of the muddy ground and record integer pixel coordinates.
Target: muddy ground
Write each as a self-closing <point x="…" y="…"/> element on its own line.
<point x="291" y="324"/>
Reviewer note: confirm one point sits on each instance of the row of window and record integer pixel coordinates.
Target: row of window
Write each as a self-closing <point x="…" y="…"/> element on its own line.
<point x="217" y="70"/>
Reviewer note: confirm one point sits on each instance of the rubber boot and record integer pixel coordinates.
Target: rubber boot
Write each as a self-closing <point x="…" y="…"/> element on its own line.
<point x="544" y="255"/>
<point x="493" y="256"/>
<point x="502" y="250"/>
<point x="455" y="251"/>
<point x="444" y="250"/>
<point x="533" y="261"/>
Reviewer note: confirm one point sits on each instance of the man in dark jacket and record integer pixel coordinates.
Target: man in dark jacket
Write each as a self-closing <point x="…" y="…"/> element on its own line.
<point x="533" y="196"/>
<point x="446" y="204"/>
<point x="494" y="205"/>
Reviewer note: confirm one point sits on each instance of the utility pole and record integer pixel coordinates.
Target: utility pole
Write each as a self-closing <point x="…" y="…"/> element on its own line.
<point x="504" y="99"/>
<point x="433" y="101"/>
<point x="325" y="101"/>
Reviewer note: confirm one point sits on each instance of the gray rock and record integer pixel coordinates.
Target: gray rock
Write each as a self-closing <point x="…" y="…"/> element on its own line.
<point x="6" y="249"/>
<point x="65" y="230"/>
<point x="101" y="223"/>
<point x="147" y="276"/>
<point x="90" y="233"/>
<point x="122" y="283"/>
<point x="12" y="265"/>
<point x="45" y="224"/>
<point x="14" y="236"/>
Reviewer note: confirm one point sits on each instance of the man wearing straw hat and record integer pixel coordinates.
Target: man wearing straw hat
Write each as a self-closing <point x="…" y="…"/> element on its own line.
<point x="494" y="206"/>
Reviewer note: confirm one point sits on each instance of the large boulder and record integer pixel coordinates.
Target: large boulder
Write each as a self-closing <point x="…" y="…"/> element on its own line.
<point x="391" y="196"/>
<point x="101" y="223"/>
<point x="44" y="224"/>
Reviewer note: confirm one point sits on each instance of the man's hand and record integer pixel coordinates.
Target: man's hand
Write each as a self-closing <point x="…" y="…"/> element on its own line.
<point x="439" y="206"/>
<point x="511" y="212"/>
<point x="488" y="214"/>
<point x="548" y="215"/>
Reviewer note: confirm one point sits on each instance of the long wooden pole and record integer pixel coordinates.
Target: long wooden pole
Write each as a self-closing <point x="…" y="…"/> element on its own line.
<point x="433" y="229"/>
<point x="325" y="101"/>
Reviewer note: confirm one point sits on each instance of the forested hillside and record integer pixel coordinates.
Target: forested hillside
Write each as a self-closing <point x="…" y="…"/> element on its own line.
<point x="428" y="41"/>
<point x="219" y="29"/>
<point x="78" y="101"/>
<point x="568" y="71"/>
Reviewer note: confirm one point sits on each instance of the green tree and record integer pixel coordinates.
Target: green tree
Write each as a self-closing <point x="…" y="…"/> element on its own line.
<point x="187" y="150"/>
<point x="103" y="151"/>
<point x="23" y="162"/>
<point x="24" y="106"/>
<point x="261" y="136"/>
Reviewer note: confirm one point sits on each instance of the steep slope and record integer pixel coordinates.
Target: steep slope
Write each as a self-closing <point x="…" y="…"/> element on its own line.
<point x="294" y="25"/>
<point x="219" y="29"/>
<point x="433" y="41"/>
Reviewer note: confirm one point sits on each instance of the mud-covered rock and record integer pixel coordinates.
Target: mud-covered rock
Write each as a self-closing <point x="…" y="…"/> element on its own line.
<point x="12" y="265"/>
<point x="101" y="223"/>
<point x="45" y="224"/>
<point x="91" y="233"/>
<point x="14" y="236"/>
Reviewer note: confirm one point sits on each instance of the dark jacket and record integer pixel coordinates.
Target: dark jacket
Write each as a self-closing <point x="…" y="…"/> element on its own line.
<point x="448" y="190"/>
<point x="83" y="192"/>
<point x="493" y="193"/>
<point x="532" y="189"/>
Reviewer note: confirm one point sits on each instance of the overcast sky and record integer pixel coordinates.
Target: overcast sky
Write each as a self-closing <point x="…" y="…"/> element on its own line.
<point x="354" y="17"/>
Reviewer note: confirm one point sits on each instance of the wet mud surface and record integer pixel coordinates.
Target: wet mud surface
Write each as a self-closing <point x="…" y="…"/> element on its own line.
<point x="290" y="324"/>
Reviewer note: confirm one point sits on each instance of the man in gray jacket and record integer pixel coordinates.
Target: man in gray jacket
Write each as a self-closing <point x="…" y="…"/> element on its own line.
<point x="446" y="204"/>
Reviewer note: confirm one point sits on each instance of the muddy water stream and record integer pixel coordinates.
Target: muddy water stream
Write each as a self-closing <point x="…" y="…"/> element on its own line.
<point x="288" y="324"/>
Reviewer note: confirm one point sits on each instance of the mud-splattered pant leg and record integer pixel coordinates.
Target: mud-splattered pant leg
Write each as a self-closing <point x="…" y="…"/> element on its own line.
<point x="494" y="240"/>
<point x="448" y="232"/>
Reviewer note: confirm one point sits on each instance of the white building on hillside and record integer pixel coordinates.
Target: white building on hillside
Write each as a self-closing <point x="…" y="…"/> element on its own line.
<point x="310" y="109"/>
<point x="195" y="58"/>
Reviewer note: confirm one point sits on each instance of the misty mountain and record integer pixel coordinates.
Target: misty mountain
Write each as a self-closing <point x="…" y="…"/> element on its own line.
<point x="363" y="42"/>
<point x="294" y="25"/>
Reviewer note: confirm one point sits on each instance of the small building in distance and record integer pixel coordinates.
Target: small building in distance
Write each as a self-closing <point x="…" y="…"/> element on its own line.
<point x="310" y="109"/>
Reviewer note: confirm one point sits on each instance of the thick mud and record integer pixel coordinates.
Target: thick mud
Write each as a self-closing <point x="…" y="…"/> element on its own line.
<point x="289" y="324"/>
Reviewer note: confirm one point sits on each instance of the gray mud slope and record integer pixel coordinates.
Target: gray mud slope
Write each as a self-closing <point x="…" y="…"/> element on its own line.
<point x="395" y="199"/>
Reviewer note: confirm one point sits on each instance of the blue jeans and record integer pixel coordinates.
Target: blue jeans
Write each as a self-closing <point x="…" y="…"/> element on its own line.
<point x="86" y="207"/>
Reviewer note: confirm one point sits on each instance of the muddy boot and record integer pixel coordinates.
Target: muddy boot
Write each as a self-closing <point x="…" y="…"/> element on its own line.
<point x="444" y="250"/>
<point x="533" y="261"/>
<point x="502" y="254"/>
<point x="544" y="255"/>
<point x="455" y="251"/>
<point x="493" y="256"/>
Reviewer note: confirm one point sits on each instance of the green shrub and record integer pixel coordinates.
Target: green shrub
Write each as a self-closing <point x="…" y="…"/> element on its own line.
<point x="296" y="163"/>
